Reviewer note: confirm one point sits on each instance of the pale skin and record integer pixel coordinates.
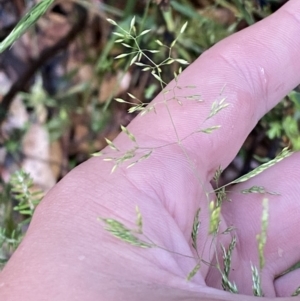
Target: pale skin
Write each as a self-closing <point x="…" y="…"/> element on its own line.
<point x="66" y="254"/>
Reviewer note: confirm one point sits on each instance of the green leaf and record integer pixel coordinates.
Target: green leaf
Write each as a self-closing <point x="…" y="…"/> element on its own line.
<point x="295" y="98"/>
<point x="275" y="129"/>
<point x="290" y="126"/>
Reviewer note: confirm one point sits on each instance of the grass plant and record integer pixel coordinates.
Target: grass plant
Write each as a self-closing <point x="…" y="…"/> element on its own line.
<point x="18" y="191"/>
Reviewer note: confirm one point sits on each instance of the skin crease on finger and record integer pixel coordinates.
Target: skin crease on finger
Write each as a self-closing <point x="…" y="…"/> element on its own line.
<point x="66" y="255"/>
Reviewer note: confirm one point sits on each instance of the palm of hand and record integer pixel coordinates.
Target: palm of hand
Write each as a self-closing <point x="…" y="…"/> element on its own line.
<point x="168" y="220"/>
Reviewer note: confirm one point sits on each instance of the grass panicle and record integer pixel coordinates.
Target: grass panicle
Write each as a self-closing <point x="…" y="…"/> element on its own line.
<point x="215" y="212"/>
<point x="256" y="282"/>
<point x="123" y="233"/>
<point x="227" y="258"/>
<point x="228" y="285"/>
<point x="209" y="130"/>
<point x="229" y="230"/>
<point x="282" y="155"/>
<point x="129" y="134"/>
<point x="139" y="220"/>
<point x="217" y="106"/>
<point x="143" y="58"/>
<point x="221" y="196"/>
<point x="193" y="272"/>
<point x="262" y="237"/>
<point x="217" y="174"/>
<point x="130" y="39"/>
<point x="258" y="189"/>
<point x="195" y="231"/>
<point x="296" y="292"/>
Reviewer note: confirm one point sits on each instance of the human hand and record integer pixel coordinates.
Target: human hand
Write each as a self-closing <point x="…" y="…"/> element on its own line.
<point x="67" y="255"/>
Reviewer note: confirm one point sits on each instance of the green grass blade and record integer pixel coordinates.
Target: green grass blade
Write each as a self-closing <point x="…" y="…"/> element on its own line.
<point x="284" y="154"/>
<point x="28" y="20"/>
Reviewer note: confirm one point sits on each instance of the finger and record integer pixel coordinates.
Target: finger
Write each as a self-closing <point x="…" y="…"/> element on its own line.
<point x="257" y="66"/>
<point x="282" y="247"/>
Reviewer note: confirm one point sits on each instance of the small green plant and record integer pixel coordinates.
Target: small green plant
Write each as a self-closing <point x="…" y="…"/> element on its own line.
<point x="284" y="120"/>
<point x="17" y="191"/>
<point x="21" y="190"/>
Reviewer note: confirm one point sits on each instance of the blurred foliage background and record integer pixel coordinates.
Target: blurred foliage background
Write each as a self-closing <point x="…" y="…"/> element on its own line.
<point x="59" y="80"/>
